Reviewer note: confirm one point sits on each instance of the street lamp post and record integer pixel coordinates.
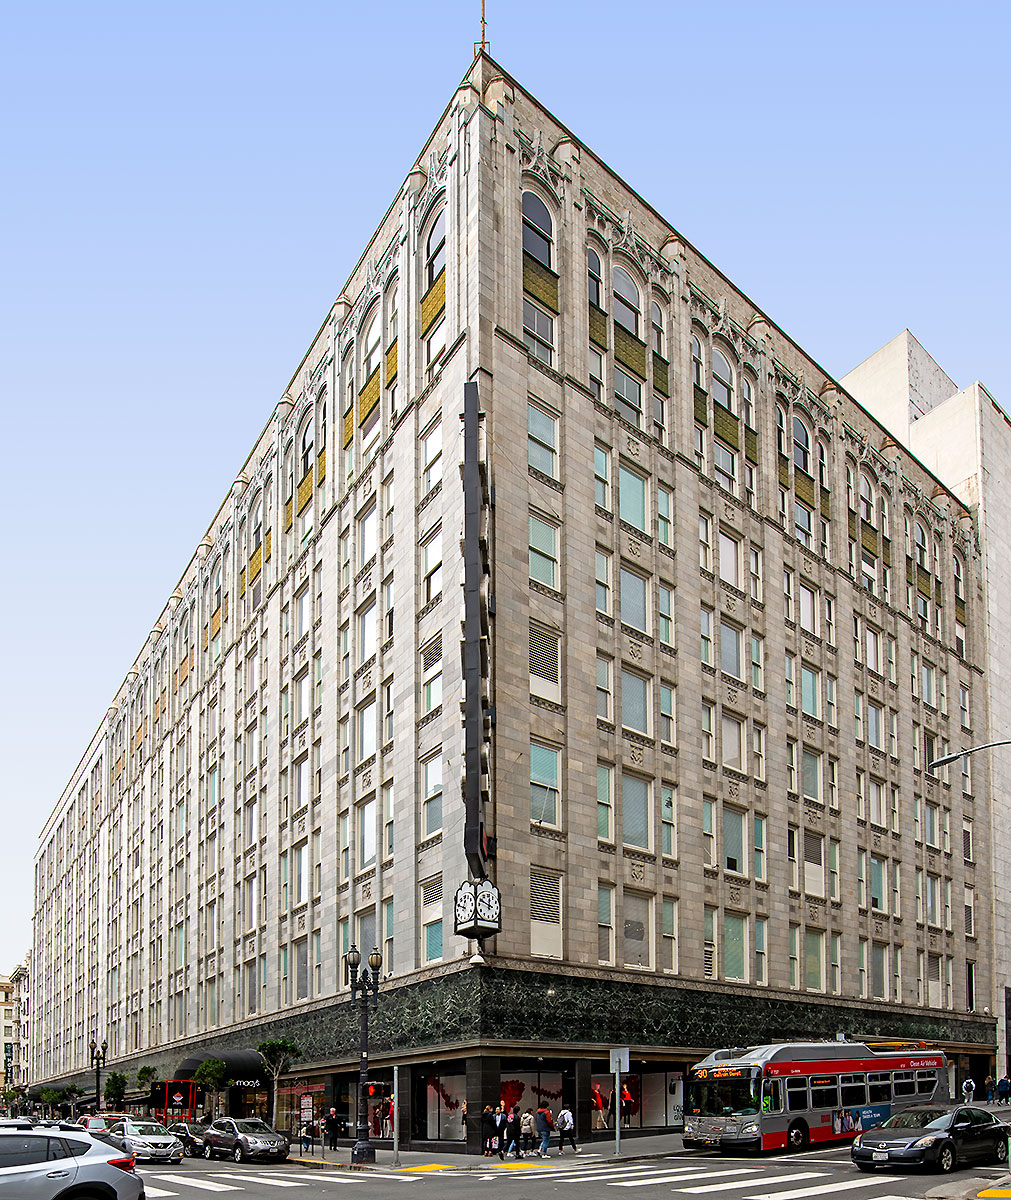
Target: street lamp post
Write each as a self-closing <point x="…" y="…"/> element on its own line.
<point x="948" y="759"/>
<point x="362" y="985"/>
<point x="98" y="1055"/>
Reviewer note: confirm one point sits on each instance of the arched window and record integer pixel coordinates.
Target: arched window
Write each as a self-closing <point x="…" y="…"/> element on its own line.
<point x="536" y="228"/>
<point x="883" y="513"/>
<point x="801" y="446"/>
<point x="289" y="476"/>
<point x="866" y="499"/>
<point x="184" y="637"/>
<point x="256" y="524"/>
<point x="922" y="545"/>
<point x="626" y="300"/>
<point x="216" y="587"/>
<point x="593" y="277"/>
<point x="822" y="465"/>
<point x="959" y="578"/>
<point x="656" y="316"/>
<point x="322" y="424"/>
<point x="698" y="363"/>
<point x="748" y="401"/>
<point x="391" y="307"/>
<point x="723" y="379"/>
<point x="435" y="250"/>
<point x="308" y="445"/>
<point x="370" y="340"/>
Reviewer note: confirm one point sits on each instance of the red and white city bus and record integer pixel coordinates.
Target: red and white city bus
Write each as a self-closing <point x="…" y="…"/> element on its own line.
<point x="796" y="1093"/>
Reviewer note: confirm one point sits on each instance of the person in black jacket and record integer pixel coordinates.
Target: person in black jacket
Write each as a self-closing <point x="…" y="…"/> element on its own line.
<point x="331" y="1123"/>
<point x="513" y="1133"/>
<point x="487" y="1130"/>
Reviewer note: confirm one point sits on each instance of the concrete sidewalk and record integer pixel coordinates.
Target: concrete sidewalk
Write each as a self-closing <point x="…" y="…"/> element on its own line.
<point x="658" y="1145"/>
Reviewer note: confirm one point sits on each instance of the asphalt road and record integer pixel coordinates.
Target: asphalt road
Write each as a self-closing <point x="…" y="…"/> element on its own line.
<point x="812" y="1175"/>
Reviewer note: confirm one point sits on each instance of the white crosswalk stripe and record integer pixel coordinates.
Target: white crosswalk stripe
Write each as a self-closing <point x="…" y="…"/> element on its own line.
<point x="746" y="1183"/>
<point x="602" y="1174"/>
<point x="205" y="1185"/>
<point x="157" y="1192"/>
<point x="279" y="1183"/>
<point x="823" y="1189"/>
<point x="682" y="1177"/>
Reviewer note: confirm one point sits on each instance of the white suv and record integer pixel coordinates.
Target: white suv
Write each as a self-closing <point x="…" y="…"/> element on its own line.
<point x="53" y="1163"/>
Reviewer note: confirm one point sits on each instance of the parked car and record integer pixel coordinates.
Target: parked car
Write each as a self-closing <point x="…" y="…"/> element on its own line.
<point x="53" y="1164"/>
<point x="191" y="1134"/>
<point x="102" y="1122"/>
<point x="940" y="1137"/>
<point x="146" y="1139"/>
<point x="242" y="1138"/>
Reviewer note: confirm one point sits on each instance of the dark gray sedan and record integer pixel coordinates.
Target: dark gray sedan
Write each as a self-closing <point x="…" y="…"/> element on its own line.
<point x="933" y="1136"/>
<point x="244" y="1137"/>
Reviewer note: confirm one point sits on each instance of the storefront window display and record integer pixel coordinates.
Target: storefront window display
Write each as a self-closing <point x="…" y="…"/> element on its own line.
<point x="652" y="1099"/>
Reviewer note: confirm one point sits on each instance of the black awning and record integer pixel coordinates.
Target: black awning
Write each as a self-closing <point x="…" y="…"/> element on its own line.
<point x="245" y="1067"/>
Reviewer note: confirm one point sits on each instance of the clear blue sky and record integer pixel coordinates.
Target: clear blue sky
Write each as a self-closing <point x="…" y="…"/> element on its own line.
<point x="187" y="186"/>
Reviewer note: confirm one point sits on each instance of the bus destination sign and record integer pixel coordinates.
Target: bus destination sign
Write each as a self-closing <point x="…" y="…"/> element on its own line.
<point x="722" y="1072"/>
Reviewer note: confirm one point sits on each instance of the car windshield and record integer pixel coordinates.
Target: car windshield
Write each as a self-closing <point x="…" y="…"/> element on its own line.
<point x="919" y="1118"/>
<point x="147" y="1129"/>
<point x="724" y="1097"/>
<point x="252" y="1127"/>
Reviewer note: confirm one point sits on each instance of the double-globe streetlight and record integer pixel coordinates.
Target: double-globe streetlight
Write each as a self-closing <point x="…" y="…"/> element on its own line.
<point x="362" y="984"/>
<point x="98" y="1055"/>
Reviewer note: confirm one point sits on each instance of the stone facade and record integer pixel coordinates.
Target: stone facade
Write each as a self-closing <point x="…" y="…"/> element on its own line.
<point x="700" y="831"/>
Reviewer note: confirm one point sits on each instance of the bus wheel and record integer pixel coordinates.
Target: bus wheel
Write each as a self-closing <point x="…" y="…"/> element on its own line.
<point x="797" y="1137"/>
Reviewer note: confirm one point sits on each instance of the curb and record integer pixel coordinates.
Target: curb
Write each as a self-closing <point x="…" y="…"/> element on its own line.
<point x="966" y="1189"/>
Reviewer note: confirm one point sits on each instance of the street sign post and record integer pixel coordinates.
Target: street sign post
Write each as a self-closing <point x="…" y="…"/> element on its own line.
<point x="619" y="1066"/>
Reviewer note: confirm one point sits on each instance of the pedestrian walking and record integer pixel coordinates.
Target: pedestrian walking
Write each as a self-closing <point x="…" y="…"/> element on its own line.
<point x="566" y="1126"/>
<point x="1003" y="1089"/>
<point x="331" y="1124"/>
<point x="487" y="1130"/>
<point x="990" y="1085"/>
<point x="527" y="1127"/>
<point x="513" y="1133"/>
<point x="500" y="1131"/>
<point x="544" y="1123"/>
<point x="968" y="1088"/>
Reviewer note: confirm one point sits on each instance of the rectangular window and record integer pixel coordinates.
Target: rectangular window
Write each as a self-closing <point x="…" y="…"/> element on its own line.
<point x="542" y="441"/>
<point x="431" y="459"/>
<point x="814" y="863"/>
<point x="543" y="552"/>
<point x="603" y="688"/>
<point x="761" y="951"/>
<point x="596" y="360"/>
<point x="669" y="935"/>
<point x="724" y="467"/>
<point x="790" y="677"/>
<point x="668" y="825"/>
<point x="545" y="663"/>
<point x="628" y="397"/>
<point x="635" y="816"/>
<point x="605" y="803"/>
<point x="366" y="834"/>
<point x="431" y="770"/>
<point x="665" y="614"/>
<point x="632" y="497"/>
<point x="700" y="448"/>
<point x="431" y="678"/>
<point x="667" y="714"/>
<point x="431" y="567"/>
<point x="708" y="717"/>
<point x="705" y="542"/>
<point x="664" y="516"/>
<point x="633" y="600"/>
<point x="807" y="599"/>
<point x="802" y="523"/>
<point x="730" y="560"/>
<point x="637" y="930"/>
<point x="602" y="477"/>
<point x="794" y="955"/>
<point x="757" y="662"/>
<point x="758" y="751"/>
<point x="709" y="832"/>
<point x="710" y="964"/>
<point x="810" y="691"/>
<point x="538" y="332"/>
<point x="755" y="571"/>
<point x="545" y="913"/>
<point x="814" y="960"/>
<point x="605" y="923"/>
<point x="788" y="593"/>
<point x="732" y="732"/>
<point x="544" y="784"/>
<point x="731" y="659"/>
<point x="734" y="823"/>
<point x="735" y="951"/>
<point x="706" y="645"/>
<point x="603" y="581"/>
<point x="366" y="731"/>
<point x="792" y="856"/>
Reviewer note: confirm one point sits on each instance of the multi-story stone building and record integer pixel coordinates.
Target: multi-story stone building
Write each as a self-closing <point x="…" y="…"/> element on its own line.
<point x="21" y="1043"/>
<point x="712" y="577"/>
<point x="7" y="1011"/>
<point x="965" y="437"/>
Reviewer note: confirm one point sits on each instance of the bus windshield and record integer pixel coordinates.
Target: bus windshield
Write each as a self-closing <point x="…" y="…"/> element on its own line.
<point x="724" y="1097"/>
